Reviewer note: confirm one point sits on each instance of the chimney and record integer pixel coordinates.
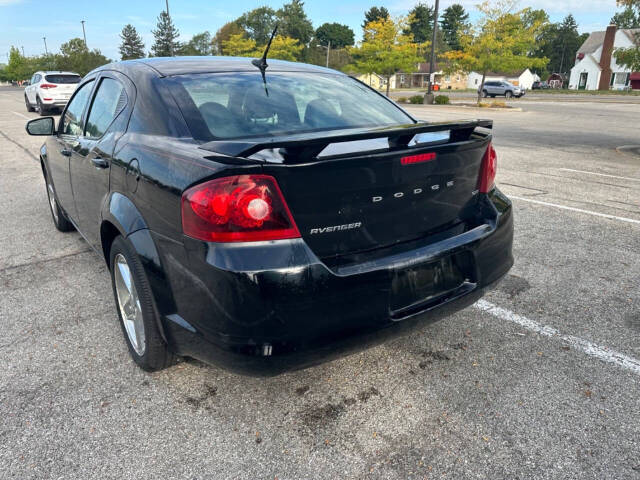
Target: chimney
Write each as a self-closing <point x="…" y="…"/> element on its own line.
<point x="605" y="57"/>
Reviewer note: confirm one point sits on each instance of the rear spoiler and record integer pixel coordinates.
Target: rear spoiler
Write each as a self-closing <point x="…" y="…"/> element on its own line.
<point x="312" y="143"/>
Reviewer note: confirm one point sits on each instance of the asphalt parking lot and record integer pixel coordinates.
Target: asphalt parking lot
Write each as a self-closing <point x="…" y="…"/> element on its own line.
<point x="540" y="380"/>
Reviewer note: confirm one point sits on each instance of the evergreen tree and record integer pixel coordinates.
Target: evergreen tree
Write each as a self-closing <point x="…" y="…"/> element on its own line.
<point x="131" y="46"/>
<point x="294" y="23"/>
<point x="374" y="14"/>
<point x="165" y="34"/>
<point x="421" y="23"/>
<point x="454" y="21"/>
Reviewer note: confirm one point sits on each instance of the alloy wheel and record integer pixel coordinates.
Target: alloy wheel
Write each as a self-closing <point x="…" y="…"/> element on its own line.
<point x="52" y="202"/>
<point x="129" y="304"/>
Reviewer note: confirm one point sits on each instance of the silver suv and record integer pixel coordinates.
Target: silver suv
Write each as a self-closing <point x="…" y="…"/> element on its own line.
<point x="493" y="88"/>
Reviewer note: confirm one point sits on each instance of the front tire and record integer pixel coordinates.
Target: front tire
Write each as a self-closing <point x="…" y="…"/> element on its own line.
<point x="485" y="94"/>
<point x="508" y="94"/>
<point x="136" y="311"/>
<point x="28" y="105"/>
<point x="58" y="216"/>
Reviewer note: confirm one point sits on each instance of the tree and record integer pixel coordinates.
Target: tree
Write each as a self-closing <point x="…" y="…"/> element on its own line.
<point x="374" y="14"/>
<point x="239" y="45"/>
<point x="282" y="48"/>
<point x="224" y="34"/>
<point x="627" y="18"/>
<point x="386" y="49"/>
<point x="499" y="42"/>
<point x="339" y="35"/>
<point x="454" y="23"/>
<point x="630" y="57"/>
<point x="76" y="57"/>
<point x="294" y="23"/>
<point x="199" y="45"/>
<point x="420" y="23"/>
<point x="131" y="46"/>
<point x="18" y="67"/>
<point x="166" y="35"/>
<point x="258" y="24"/>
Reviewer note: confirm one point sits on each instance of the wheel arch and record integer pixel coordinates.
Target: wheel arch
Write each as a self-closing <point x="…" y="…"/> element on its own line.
<point x="122" y="218"/>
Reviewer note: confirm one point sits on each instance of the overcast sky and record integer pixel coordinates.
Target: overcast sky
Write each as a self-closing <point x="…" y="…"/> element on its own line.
<point x="23" y="23"/>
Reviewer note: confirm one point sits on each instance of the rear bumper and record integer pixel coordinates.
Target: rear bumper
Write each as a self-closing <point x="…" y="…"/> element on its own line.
<point x="263" y="309"/>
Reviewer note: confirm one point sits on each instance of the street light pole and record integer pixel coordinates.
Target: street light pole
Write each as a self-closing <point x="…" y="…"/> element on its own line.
<point x="45" y="46"/>
<point x="433" y="46"/>
<point x="84" y="35"/>
<point x="22" y="51"/>
<point x="167" y="2"/>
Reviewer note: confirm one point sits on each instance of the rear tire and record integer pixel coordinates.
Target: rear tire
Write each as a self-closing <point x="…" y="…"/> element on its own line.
<point x="136" y="311"/>
<point x="508" y="94"/>
<point x="57" y="214"/>
<point x="28" y="105"/>
<point x="485" y="94"/>
<point x="41" y="109"/>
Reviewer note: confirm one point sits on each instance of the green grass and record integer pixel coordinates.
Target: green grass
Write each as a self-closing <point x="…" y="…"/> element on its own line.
<point x="555" y="91"/>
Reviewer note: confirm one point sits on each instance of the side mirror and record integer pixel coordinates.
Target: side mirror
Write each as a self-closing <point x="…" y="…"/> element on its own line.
<point x="41" y="126"/>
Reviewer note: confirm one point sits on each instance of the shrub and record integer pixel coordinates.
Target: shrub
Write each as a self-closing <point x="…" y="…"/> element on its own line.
<point x="402" y="100"/>
<point x="441" y="100"/>
<point x="416" y="99"/>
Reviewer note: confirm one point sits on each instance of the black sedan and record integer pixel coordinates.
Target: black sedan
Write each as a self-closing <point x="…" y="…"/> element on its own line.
<point x="269" y="219"/>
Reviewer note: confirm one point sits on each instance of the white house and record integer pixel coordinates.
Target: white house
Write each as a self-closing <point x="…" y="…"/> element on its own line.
<point x="522" y="78"/>
<point x="596" y="67"/>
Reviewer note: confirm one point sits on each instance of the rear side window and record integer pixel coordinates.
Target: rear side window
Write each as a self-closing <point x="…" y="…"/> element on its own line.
<point x="109" y="101"/>
<point x="239" y="104"/>
<point x="62" y="78"/>
<point x="72" y="120"/>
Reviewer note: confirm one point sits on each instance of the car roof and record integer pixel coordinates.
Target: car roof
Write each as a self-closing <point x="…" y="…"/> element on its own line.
<point x="167" y="66"/>
<point x="57" y="72"/>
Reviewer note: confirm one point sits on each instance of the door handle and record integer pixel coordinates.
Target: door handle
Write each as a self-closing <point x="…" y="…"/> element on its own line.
<point x="99" y="162"/>
<point x="65" y="152"/>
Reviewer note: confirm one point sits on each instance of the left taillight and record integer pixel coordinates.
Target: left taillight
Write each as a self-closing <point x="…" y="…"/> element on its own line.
<point x="488" y="170"/>
<point x="241" y="208"/>
<point x="47" y="86"/>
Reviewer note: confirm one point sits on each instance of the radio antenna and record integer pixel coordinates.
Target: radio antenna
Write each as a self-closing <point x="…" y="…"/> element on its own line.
<point x="261" y="63"/>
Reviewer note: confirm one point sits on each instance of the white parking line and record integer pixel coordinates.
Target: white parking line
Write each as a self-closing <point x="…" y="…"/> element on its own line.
<point x="580" y="210"/>
<point x="602" y="353"/>
<point x="21" y="115"/>
<point x="601" y="174"/>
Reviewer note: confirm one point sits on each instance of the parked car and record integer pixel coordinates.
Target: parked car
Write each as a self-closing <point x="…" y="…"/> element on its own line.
<point x="540" y="86"/>
<point x="268" y="220"/>
<point x="494" y="88"/>
<point x="47" y="91"/>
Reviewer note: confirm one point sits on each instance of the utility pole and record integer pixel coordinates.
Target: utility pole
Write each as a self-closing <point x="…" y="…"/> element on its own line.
<point x="328" y="48"/>
<point x="45" y="46"/>
<point x="433" y="47"/>
<point x="22" y="51"/>
<point x="167" y="2"/>
<point x="84" y="34"/>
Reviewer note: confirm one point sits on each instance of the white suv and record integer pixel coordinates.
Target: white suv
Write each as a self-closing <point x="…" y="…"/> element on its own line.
<point x="49" y="90"/>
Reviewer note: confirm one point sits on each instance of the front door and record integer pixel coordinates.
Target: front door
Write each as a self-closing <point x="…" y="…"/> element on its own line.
<point x="582" y="84"/>
<point x="61" y="146"/>
<point x="91" y="159"/>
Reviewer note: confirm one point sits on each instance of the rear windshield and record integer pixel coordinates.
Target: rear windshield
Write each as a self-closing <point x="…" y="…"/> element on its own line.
<point x="233" y="105"/>
<point x="57" y="78"/>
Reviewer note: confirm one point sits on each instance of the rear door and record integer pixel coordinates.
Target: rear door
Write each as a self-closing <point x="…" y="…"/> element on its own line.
<point x="91" y="159"/>
<point x="60" y="147"/>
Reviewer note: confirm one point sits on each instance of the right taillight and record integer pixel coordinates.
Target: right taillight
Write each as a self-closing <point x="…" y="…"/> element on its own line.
<point x="47" y="86"/>
<point x="242" y="208"/>
<point x="488" y="170"/>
